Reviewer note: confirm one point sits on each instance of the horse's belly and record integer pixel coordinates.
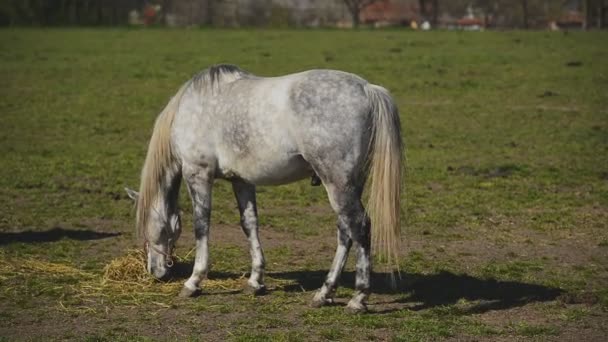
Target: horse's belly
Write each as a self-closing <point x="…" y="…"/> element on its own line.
<point x="275" y="171"/>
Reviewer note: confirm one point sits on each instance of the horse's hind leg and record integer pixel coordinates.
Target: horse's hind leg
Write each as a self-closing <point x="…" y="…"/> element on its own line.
<point x="353" y="225"/>
<point x="245" y="197"/>
<point x="327" y="291"/>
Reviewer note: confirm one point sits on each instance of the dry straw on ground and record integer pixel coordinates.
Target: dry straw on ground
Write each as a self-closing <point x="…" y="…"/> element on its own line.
<point x="124" y="281"/>
<point x="129" y="268"/>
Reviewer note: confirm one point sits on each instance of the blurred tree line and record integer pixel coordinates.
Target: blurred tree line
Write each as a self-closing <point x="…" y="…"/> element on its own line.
<point x="180" y="12"/>
<point x="523" y="13"/>
<point x="497" y="13"/>
<point x="66" y="12"/>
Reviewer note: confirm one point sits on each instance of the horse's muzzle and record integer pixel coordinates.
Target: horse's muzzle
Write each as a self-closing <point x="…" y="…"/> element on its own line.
<point x="160" y="273"/>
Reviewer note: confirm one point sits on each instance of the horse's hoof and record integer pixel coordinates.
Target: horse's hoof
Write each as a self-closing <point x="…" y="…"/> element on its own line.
<point x="188" y="292"/>
<point x="356" y="308"/>
<point x="319" y="301"/>
<point x="259" y="291"/>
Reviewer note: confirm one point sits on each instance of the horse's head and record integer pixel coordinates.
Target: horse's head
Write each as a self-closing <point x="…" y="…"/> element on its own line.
<point x="160" y="235"/>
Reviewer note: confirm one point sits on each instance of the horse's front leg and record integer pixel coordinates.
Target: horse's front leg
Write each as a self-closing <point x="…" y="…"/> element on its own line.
<point x="245" y="197"/>
<point x="199" y="186"/>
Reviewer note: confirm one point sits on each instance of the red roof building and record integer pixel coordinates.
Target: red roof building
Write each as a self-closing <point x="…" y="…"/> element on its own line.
<point x="392" y="12"/>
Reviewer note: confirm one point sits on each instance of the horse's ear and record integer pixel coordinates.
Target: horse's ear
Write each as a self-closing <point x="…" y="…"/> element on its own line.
<point x="132" y="194"/>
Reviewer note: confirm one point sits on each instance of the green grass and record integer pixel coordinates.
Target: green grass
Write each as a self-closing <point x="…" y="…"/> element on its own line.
<point x="506" y="186"/>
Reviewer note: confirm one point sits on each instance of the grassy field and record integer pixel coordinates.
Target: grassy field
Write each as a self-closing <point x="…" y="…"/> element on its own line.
<point x="505" y="212"/>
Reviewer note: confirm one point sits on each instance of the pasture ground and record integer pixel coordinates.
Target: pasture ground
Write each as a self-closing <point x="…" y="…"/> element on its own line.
<point x="505" y="235"/>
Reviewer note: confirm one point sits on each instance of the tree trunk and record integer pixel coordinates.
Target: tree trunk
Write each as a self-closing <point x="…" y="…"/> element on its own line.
<point x="524" y="7"/>
<point x="85" y="19"/>
<point x="78" y="13"/>
<point x="73" y="12"/>
<point x="99" y="12"/>
<point x="45" y="10"/>
<point x="435" y="13"/>
<point x="600" y="14"/>
<point x="114" y="13"/>
<point x="355" y="13"/>
<point x="191" y="14"/>
<point x="210" y="12"/>
<point x="422" y="5"/>
<point x="163" y="11"/>
<point x="587" y="14"/>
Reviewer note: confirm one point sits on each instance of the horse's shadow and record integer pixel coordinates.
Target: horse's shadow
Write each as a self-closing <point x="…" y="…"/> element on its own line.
<point x="422" y="291"/>
<point x="55" y="234"/>
<point x="419" y="291"/>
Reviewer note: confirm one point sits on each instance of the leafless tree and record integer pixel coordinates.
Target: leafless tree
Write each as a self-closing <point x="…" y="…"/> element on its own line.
<point x="422" y="6"/>
<point x="602" y="8"/>
<point x="435" y="18"/>
<point x="524" y="8"/>
<point x="355" y="7"/>
<point x="424" y="10"/>
<point x="594" y="11"/>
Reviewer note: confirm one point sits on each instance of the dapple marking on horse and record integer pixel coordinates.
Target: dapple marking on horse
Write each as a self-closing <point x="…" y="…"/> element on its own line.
<point x="226" y="123"/>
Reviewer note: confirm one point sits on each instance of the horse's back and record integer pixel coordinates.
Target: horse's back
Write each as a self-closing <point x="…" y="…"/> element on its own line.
<point x="269" y="130"/>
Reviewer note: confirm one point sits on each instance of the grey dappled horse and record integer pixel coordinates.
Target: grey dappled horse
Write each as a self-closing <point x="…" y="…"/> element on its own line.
<point x="227" y="123"/>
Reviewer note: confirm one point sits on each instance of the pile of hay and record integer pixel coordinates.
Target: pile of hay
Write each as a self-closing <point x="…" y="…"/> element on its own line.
<point x="129" y="268"/>
<point x="124" y="281"/>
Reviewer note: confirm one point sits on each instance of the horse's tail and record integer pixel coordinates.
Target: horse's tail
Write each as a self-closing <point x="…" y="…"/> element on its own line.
<point x="160" y="162"/>
<point x="385" y="160"/>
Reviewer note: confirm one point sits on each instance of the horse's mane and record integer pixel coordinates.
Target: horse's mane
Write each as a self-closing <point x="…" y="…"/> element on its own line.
<point x="159" y="162"/>
<point x="160" y="159"/>
<point x="216" y="75"/>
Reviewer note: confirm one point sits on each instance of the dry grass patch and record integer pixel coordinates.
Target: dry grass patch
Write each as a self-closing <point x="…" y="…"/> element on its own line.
<point x="124" y="281"/>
